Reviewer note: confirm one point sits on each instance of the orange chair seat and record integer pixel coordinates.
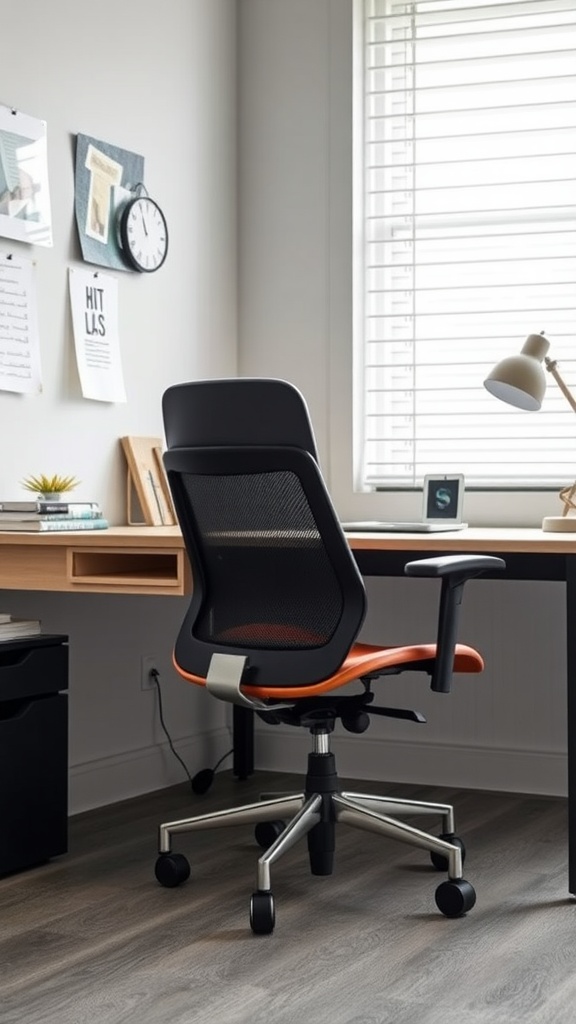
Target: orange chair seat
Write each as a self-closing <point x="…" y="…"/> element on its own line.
<point x="363" y="660"/>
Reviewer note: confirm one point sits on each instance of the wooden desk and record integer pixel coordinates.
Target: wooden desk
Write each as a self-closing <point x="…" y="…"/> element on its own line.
<point x="482" y="540"/>
<point x="120" y="560"/>
<point x="152" y="560"/>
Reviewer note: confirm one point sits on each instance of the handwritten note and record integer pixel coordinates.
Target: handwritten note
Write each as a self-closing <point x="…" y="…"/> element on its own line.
<point x="19" y="342"/>
<point x="94" y="300"/>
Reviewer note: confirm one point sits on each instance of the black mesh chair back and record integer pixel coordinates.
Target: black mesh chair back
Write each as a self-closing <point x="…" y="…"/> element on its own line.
<point x="273" y="575"/>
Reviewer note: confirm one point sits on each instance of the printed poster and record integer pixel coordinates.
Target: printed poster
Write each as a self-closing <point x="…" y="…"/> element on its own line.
<point x="94" y="302"/>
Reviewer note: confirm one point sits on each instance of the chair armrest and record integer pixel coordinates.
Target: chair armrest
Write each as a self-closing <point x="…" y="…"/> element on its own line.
<point x="454" y="571"/>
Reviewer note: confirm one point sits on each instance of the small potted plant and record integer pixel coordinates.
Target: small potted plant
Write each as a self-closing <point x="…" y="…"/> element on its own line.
<point x="50" y="488"/>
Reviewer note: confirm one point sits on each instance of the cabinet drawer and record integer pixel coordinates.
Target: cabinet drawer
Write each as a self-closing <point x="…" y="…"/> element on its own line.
<point x="33" y="781"/>
<point x="33" y="666"/>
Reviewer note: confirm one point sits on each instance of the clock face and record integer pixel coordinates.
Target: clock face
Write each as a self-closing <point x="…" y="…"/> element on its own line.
<point x="144" y="234"/>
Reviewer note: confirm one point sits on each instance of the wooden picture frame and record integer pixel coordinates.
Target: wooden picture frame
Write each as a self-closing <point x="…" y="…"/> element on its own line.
<point x="146" y="480"/>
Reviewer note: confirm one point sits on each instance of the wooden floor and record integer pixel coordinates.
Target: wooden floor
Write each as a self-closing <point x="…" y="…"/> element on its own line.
<point x="91" y="938"/>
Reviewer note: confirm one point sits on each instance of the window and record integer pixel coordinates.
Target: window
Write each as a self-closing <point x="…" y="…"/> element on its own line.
<point x="468" y="225"/>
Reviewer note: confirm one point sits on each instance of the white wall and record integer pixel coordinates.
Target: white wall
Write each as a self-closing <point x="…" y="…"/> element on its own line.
<point x="158" y="79"/>
<point x="505" y="729"/>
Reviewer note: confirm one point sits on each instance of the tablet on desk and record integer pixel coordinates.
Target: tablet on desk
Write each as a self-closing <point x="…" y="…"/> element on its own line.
<point x="442" y="501"/>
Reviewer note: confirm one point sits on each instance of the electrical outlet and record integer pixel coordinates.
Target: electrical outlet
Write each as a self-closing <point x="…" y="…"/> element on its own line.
<point x="147" y="663"/>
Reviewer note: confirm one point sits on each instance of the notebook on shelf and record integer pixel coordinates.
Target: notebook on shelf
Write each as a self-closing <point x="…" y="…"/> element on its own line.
<point x="442" y="503"/>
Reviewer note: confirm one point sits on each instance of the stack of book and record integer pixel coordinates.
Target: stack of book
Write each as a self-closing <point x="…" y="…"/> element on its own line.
<point x="43" y="516"/>
<point x="14" y="629"/>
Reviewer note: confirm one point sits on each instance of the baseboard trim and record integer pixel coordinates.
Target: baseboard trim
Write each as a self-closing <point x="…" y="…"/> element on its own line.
<point x="515" y="771"/>
<point x="108" y="780"/>
<point x="132" y="773"/>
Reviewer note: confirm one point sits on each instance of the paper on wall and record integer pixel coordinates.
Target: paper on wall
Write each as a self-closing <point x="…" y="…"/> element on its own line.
<point x="19" y="341"/>
<point x="105" y="174"/>
<point x="94" y="302"/>
<point x="25" y="211"/>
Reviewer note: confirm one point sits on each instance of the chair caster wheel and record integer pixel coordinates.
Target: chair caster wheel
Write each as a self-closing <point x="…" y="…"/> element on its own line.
<point x="439" y="861"/>
<point x="266" y="832"/>
<point x="262" y="913"/>
<point x="455" y="897"/>
<point x="171" y="869"/>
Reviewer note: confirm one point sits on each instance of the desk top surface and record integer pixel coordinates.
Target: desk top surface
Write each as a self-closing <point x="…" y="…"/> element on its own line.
<point x="479" y="539"/>
<point x="521" y="539"/>
<point x="113" y="537"/>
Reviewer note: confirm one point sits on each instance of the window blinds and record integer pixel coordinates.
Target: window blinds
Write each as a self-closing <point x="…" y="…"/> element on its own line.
<point x="469" y="241"/>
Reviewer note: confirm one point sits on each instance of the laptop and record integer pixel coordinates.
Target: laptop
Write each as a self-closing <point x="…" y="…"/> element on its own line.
<point x="442" y="501"/>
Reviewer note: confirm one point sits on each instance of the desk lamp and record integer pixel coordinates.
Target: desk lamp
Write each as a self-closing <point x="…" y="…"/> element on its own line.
<point x="520" y="381"/>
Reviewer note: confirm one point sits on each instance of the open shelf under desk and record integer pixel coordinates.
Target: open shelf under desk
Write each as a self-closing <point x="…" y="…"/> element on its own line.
<point x="149" y="569"/>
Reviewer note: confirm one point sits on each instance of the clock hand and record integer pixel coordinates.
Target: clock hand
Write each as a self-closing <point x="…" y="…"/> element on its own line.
<point x="143" y="221"/>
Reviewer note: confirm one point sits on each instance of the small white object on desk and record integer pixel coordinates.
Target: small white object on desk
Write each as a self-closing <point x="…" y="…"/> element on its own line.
<point x="559" y="524"/>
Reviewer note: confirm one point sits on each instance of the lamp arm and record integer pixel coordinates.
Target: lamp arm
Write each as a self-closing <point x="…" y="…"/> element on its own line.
<point x="552" y="367"/>
<point x="567" y="493"/>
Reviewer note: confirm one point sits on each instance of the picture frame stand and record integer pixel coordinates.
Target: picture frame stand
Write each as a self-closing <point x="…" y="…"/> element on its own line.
<point x="148" y="498"/>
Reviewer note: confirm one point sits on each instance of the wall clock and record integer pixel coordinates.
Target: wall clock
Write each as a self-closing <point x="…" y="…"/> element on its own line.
<point x="143" y="234"/>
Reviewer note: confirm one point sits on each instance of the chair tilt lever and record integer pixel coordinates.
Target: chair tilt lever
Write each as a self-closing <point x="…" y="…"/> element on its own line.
<point x="406" y="713"/>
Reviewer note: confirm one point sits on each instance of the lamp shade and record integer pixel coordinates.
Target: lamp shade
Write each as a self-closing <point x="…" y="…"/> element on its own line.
<point x="520" y="380"/>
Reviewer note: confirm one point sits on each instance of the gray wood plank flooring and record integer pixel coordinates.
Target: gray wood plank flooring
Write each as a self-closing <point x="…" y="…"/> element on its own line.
<point x="91" y="936"/>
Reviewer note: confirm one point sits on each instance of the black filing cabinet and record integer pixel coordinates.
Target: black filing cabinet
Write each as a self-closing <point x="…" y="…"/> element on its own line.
<point x="33" y="751"/>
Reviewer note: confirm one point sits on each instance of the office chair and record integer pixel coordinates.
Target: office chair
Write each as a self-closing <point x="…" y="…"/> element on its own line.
<point x="276" y="608"/>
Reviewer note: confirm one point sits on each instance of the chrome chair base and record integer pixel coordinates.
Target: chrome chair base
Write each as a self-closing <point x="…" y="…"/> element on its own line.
<point x="314" y="813"/>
